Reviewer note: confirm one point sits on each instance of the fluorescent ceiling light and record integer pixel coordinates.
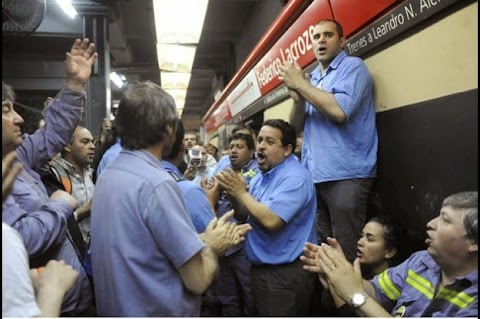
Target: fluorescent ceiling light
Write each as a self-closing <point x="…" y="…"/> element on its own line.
<point x="176" y="58"/>
<point x="174" y="80"/>
<point x="179" y="21"/>
<point x="177" y="94"/>
<point x="67" y="7"/>
<point x="116" y="79"/>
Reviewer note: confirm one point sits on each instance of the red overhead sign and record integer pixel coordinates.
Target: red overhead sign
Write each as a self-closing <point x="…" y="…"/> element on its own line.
<point x="221" y="116"/>
<point x="352" y="15"/>
<point x="294" y="45"/>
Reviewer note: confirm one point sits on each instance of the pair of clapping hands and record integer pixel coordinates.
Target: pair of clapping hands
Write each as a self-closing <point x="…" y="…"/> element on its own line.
<point x="334" y="271"/>
<point x="221" y="234"/>
<point x="227" y="180"/>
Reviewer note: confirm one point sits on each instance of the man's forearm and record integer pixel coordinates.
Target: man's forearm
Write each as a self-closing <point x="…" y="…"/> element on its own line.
<point x="49" y="300"/>
<point x="260" y="212"/>
<point x="297" y="117"/>
<point x="241" y="212"/>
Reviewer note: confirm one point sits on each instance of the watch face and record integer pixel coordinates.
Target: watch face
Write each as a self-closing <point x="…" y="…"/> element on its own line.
<point x="358" y="299"/>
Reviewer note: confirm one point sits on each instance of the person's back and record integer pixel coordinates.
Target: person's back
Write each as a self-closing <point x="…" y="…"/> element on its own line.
<point x="147" y="258"/>
<point x="196" y="201"/>
<point x="135" y="177"/>
<point x="110" y="154"/>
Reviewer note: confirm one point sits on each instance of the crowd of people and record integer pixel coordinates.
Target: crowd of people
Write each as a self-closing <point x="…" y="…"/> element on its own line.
<point x="147" y="220"/>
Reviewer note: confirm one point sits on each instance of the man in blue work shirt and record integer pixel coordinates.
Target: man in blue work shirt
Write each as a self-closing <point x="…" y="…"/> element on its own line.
<point x="335" y="110"/>
<point x="234" y="291"/>
<point x="280" y="206"/>
<point x="439" y="282"/>
<point x="40" y="219"/>
<point x="147" y="258"/>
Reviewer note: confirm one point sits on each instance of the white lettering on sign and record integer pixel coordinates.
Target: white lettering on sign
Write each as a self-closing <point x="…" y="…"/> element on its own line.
<point x="294" y="51"/>
<point x="246" y="92"/>
<point x="403" y="17"/>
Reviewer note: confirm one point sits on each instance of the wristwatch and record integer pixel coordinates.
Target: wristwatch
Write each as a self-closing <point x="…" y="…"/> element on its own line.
<point x="358" y="299"/>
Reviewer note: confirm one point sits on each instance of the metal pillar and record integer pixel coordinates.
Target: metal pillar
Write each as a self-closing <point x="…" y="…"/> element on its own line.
<point x="98" y="104"/>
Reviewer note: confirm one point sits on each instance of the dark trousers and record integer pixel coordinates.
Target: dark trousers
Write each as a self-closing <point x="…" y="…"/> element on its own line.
<point x="342" y="212"/>
<point x="89" y="311"/>
<point x="211" y="306"/>
<point x="281" y="290"/>
<point x="234" y="290"/>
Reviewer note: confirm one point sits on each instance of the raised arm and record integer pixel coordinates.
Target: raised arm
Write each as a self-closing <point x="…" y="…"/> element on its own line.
<point x="65" y="112"/>
<point x="78" y="64"/>
<point x="10" y="170"/>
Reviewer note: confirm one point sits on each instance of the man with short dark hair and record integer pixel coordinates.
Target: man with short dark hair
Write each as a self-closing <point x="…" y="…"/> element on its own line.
<point x="234" y="291"/>
<point x="334" y="108"/>
<point x="280" y="205"/>
<point x="77" y="156"/>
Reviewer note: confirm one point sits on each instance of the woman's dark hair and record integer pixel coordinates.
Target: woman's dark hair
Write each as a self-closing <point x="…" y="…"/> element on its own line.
<point x="394" y="235"/>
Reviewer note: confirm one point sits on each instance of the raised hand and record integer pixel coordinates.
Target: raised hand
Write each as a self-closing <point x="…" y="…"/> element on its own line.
<point x="310" y="250"/>
<point x="291" y="75"/>
<point x="210" y="187"/>
<point x="339" y="273"/>
<point x="308" y="258"/>
<point x="78" y="64"/>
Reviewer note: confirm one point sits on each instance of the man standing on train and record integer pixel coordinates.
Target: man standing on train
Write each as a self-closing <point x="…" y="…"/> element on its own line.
<point x="335" y="110"/>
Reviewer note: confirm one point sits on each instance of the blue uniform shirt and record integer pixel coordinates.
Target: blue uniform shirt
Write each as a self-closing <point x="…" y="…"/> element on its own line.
<point x="410" y="288"/>
<point x="224" y="205"/>
<point x="141" y="235"/>
<point x="109" y="156"/>
<point x="41" y="222"/>
<point x="196" y="200"/>
<point x="222" y="164"/>
<point x="288" y="191"/>
<point x="333" y="151"/>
